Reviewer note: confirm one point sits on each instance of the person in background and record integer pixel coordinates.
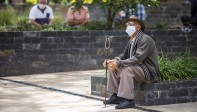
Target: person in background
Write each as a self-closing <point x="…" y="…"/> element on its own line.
<point x="122" y="15"/>
<point x="138" y="62"/>
<point x="141" y="12"/>
<point x="194" y="12"/>
<point x="78" y="14"/>
<point x="41" y="14"/>
<point x="119" y="18"/>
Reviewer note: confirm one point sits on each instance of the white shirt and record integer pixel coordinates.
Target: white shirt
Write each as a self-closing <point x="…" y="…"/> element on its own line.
<point x="36" y="13"/>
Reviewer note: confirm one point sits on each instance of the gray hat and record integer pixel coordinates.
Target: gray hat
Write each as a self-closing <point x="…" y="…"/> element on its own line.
<point x="134" y="18"/>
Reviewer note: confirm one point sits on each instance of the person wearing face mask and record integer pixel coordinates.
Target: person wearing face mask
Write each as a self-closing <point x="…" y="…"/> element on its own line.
<point x="138" y="63"/>
<point x="41" y="14"/>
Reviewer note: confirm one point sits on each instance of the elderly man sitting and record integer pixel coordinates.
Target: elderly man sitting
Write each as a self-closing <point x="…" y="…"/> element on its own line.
<point x="137" y="62"/>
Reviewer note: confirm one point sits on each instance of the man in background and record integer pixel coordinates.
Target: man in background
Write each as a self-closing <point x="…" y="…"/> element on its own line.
<point x="41" y="14"/>
<point x="140" y="12"/>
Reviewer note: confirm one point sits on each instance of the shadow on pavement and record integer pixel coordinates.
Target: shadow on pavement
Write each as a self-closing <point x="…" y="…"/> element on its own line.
<point x="52" y="89"/>
<point x="146" y="110"/>
<point x="68" y="92"/>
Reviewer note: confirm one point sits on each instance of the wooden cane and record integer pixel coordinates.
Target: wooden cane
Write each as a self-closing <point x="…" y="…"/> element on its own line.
<point x="107" y="46"/>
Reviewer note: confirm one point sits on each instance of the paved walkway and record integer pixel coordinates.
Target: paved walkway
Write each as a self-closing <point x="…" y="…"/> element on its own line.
<point x="64" y="92"/>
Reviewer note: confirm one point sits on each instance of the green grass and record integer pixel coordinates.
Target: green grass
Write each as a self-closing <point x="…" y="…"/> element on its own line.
<point x="7" y="16"/>
<point x="180" y="68"/>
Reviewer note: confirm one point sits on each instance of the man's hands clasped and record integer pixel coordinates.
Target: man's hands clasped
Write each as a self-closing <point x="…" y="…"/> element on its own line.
<point x="111" y="64"/>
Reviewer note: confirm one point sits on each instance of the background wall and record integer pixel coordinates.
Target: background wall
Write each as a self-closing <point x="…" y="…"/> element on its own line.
<point x="42" y="52"/>
<point x="168" y="14"/>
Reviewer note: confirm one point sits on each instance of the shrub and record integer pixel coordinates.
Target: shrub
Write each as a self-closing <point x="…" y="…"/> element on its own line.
<point x="161" y="25"/>
<point x="180" y="68"/>
<point x="6" y="16"/>
<point x="94" y="25"/>
<point x="22" y="24"/>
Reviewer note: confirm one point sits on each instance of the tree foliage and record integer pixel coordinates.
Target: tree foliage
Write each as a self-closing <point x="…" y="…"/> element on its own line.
<point x="112" y="7"/>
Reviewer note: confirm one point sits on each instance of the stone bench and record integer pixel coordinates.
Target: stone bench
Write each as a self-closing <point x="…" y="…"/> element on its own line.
<point x="169" y="92"/>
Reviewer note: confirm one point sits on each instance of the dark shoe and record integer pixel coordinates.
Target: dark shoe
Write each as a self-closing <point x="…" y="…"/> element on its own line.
<point x="125" y="104"/>
<point x="114" y="99"/>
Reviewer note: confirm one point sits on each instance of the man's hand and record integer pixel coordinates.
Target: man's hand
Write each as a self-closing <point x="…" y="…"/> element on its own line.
<point x="33" y="22"/>
<point x="104" y="63"/>
<point x="111" y="64"/>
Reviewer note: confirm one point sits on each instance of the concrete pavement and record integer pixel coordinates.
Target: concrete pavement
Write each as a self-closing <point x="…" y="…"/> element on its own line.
<point x="64" y="92"/>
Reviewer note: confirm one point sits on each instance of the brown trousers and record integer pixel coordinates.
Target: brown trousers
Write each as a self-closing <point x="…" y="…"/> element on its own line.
<point x="121" y="81"/>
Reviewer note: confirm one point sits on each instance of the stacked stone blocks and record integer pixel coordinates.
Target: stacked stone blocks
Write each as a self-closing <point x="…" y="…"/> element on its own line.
<point x="161" y="93"/>
<point x="23" y="53"/>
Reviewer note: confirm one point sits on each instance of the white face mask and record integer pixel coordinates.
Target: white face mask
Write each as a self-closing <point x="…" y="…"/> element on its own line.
<point x="42" y="6"/>
<point x="130" y="30"/>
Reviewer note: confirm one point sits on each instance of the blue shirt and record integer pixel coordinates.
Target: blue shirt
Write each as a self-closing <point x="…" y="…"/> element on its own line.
<point x="141" y="12"/>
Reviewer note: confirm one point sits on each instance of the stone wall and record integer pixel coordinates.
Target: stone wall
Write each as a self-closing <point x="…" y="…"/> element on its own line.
<point x="42" y="52"/>
<point x="168" y="14"/>
<point x="169" y="92"/>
